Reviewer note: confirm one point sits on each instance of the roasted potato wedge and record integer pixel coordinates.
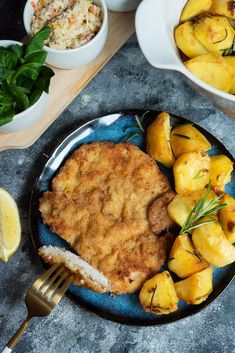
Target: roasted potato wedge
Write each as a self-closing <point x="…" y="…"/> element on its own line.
<point x="214" y="33"/>
<point x="194" y="8"/>
<point x="187" y="42"/>
<point x="182" y="204"/>
<point x="191" y="172"/>
<point x="220" y="172"/>
<point x="186" y="138"/>
<point x="196" y="288"/>
<point x="223" y="8"/>
<point x="227" y="217"/>
<point x="184" y="260"/>
<point x="211" y="242"/>
<point x="158" y="295"/>
<point x="212" y="69"/>
<point x="230" y="60"/>
<point x="158" y="140"/>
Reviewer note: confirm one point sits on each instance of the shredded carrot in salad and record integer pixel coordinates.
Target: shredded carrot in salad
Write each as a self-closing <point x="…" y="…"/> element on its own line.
<point x="93" y="10"/>
<point x="72" y="21"/>
<point x="53" y="13"/>
<point x="35" y="6"/>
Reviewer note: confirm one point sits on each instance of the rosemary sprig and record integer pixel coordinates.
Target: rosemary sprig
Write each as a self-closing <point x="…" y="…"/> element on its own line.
<point x="201" y="210"/>
<point x="182" y="136"/>
<point x="228" y="51"/>
<point x="221" y="40"/>
<point x="199" y="175"/>
<point x="138" y="128"/>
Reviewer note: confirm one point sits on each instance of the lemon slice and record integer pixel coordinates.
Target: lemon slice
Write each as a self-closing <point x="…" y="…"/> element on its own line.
<point x="10" y="228"/>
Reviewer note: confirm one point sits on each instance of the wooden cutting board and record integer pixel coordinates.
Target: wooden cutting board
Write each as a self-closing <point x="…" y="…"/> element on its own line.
<point x="67" y="84"/>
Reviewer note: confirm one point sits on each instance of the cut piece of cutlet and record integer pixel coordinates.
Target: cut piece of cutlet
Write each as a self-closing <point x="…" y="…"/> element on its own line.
<point x="84" y="274"/>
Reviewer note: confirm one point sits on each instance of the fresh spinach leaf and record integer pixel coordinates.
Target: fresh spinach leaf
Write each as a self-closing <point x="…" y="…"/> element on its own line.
<point x="43" y="81"/>
<point x="7" y="59"/>
<point x="18" y="51"/>
<point x="20" y="98"/>
<point x="37" y="42"/>
<point x="4" y="99"/>
<point x="6" y="114"/>
<point x="24" y="81"/>
<point x="23" y="76"/>
<point x="31" y="70"/>
<point x="22" y="101"/>
<point x="36" y="57"/>
<point x="36" y="94"/>
<point x="5" y="73"/>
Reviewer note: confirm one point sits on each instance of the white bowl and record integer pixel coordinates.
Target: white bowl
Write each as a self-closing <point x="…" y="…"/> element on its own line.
<point x="155" y="22"/>
<point x="29" y="116"/>
<point x="72" y="58"/>
<point x="122" y="5"/>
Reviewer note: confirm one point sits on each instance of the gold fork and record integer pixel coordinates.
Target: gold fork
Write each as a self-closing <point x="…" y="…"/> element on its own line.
<point x="42" y="297"/>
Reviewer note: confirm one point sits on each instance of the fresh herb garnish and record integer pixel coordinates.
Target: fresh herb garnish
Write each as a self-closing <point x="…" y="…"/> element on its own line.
<point x="221" y="40"/>
<point x="228" y="51"/>
<point x="199" y="175"/>
<point x="23" y="76"/>
<point x="138" y="129"/>
<point x="195" y="253"/>
<point x="183" y="136"/>
<point x="201" y="210"/>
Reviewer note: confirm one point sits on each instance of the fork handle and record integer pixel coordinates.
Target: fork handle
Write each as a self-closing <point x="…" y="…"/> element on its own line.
<point x="7" y="350"/>
<point x="16" y="337"/>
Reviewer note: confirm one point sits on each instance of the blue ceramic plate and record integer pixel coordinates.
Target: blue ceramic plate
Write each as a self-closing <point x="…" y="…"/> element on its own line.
<point x="121" y="308"/>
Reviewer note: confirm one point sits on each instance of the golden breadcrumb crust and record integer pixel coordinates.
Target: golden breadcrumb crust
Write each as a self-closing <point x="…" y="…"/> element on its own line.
<point x="99" y="204"/>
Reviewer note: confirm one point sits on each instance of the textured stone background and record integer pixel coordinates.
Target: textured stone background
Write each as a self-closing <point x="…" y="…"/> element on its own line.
<point x="126" y="82"/>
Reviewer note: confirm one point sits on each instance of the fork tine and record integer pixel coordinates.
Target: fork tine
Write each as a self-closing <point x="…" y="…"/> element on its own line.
<point x="55" y="285"/>
<point x="44" y="276"/>
<point x="51" y="280"/>
<point x="60" y="292"/>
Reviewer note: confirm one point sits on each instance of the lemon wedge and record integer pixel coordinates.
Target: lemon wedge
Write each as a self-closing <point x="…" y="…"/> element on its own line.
<point x="10" y="228"/>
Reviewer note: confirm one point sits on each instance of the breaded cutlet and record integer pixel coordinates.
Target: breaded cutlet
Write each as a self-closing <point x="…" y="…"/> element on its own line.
<point x="99" y="203"/>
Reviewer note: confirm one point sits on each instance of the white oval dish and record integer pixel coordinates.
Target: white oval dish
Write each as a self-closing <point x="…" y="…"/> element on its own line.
<point x="72" y="58"/>
<point x="122" y="5"/>
<point x="29" y="116"/>
<point x="155" y="22"/>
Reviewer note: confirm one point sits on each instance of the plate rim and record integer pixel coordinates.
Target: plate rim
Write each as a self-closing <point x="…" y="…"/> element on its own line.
<point x="160" y="320"/>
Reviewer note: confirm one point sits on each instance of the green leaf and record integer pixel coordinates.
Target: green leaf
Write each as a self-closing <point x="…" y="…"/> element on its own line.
<point x="18" y="51"/>
<point x="43" y="81"/>
<point x="30" y="70"/>
<point x="37" y="57"/>
<point x="21" y="99"/>
<point x="8" y="59"/>
<point x="24" y="89"/>
<point x="5" y="100"/>
<point x="35" y="96"/>
<point x="26" y="82"/>
<point x="6" y="114"/>
<point x="5" y="73"/>
<point x="37" y="42"/>
<point x="23" y="76"/>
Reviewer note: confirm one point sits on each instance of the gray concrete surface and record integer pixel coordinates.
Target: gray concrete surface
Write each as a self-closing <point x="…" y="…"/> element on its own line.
<point x="127" y="81"/>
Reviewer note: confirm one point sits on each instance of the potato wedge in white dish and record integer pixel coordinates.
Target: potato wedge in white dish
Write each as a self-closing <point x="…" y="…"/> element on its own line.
<point x="155" y="23"/>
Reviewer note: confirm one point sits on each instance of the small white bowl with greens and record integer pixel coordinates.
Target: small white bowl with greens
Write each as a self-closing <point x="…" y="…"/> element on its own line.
<point x="24" y="82"/>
